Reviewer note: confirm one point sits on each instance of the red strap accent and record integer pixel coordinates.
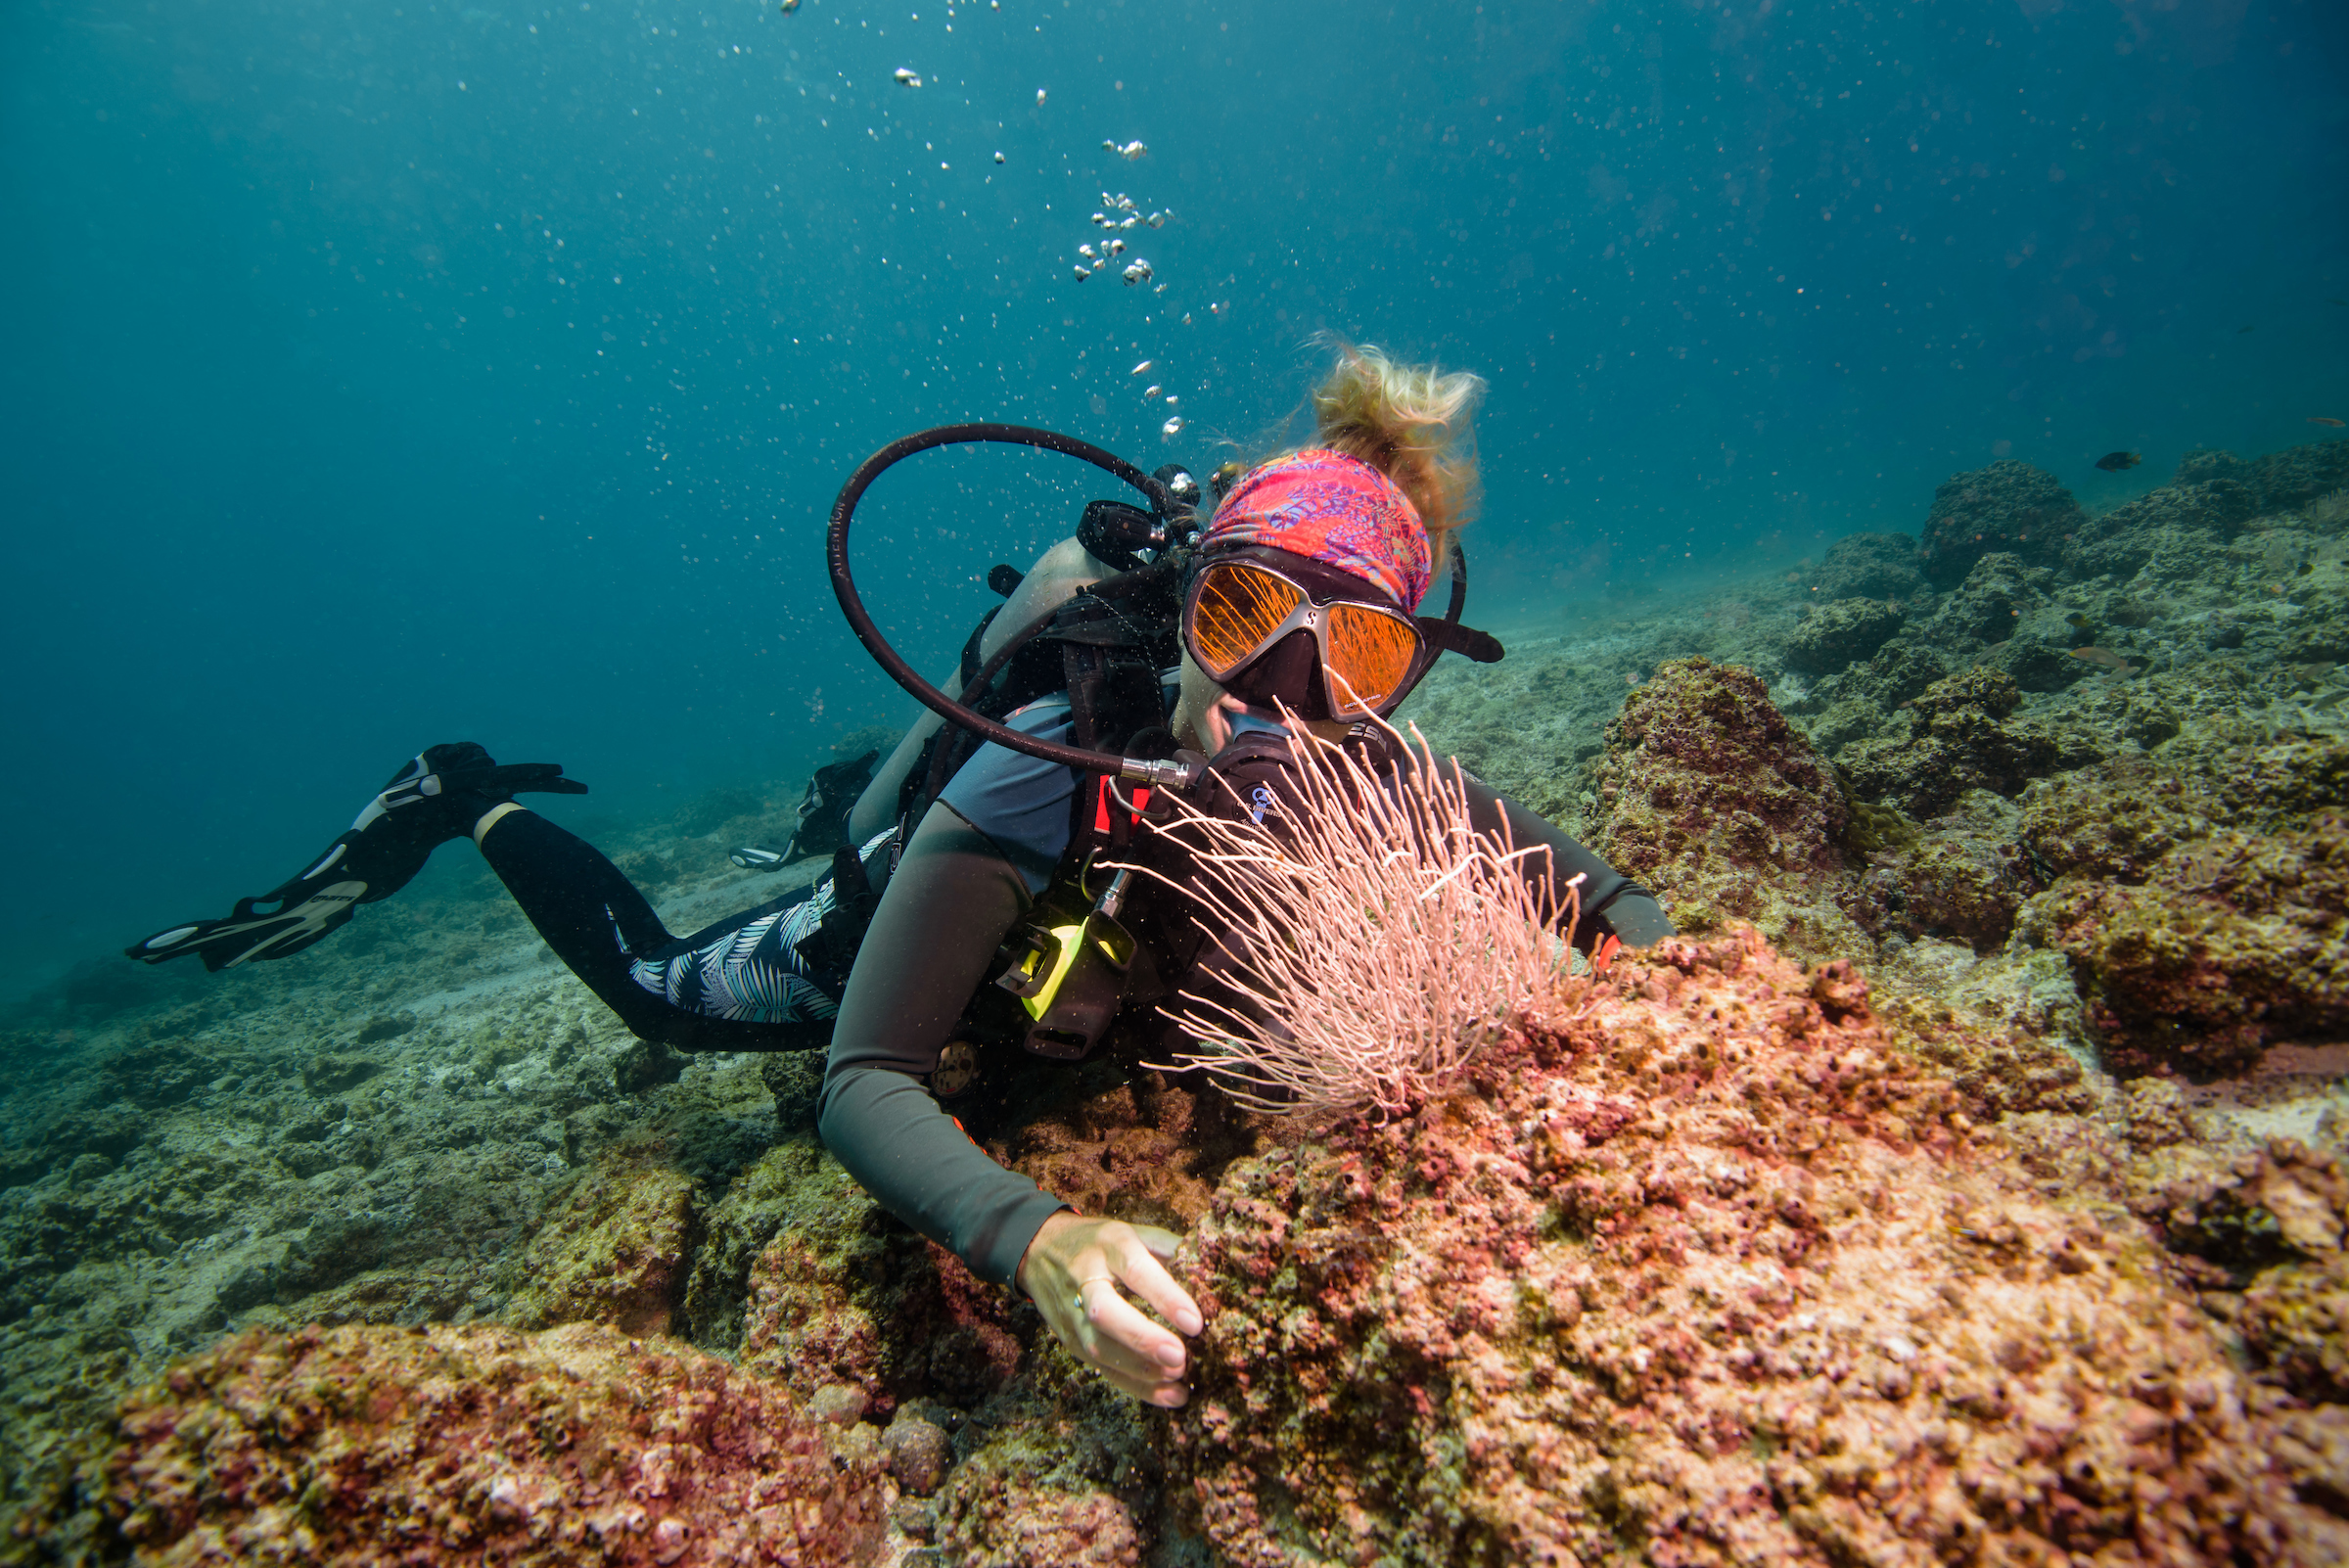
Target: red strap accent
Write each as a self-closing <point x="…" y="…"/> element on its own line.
<point x="1101" y="796"/>
<point x="1606" y="956"/>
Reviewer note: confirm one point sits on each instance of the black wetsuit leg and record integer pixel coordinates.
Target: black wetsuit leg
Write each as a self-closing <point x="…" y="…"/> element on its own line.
<point x="604" y="929"/>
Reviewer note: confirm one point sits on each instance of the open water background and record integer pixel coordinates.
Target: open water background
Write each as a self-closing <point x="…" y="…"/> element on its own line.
<point x="378" y="375"/>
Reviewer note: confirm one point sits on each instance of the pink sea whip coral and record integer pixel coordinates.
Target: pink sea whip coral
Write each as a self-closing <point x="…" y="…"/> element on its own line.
<point x="1377" y="941"/>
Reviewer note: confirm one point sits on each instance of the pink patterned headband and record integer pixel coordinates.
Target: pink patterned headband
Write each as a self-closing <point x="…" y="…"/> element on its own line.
<point x="1328" y="507"/>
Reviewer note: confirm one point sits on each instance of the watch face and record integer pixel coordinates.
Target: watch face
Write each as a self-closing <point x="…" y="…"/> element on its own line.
<point x="958" y="1069"/>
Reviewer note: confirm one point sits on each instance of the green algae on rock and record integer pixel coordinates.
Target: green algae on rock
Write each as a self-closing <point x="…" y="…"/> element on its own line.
<point x="1960" y="736"/>
<point x="612" y="1249"/>
<point x="2011" y="507"/>
<point x="1842" y="634"/>
<point x="1708" y="795"/>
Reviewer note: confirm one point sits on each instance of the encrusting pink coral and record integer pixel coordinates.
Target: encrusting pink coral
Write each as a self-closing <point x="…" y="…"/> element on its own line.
<point x="1712" y="1275"/>
<point x="580" y="1446"/>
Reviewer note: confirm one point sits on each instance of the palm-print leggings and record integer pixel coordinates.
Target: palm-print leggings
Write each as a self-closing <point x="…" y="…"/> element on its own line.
<point x="741" y="984"/>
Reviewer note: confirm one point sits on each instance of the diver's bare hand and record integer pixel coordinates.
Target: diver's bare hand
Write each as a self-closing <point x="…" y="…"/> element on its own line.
<point x="1071" y="1273"/>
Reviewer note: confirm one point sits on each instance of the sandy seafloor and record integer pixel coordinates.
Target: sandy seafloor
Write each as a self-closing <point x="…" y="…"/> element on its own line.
<point x="2098" y="895"/>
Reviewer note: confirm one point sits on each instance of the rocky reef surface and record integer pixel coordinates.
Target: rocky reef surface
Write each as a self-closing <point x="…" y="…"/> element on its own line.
<point x="1966" y="1185"/>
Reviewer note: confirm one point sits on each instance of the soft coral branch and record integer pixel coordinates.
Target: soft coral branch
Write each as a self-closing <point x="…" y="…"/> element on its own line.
<point x="1377" y="940"/>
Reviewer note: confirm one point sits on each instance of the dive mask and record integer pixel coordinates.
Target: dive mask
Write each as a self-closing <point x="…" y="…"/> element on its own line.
<point x="1242" y="621"/>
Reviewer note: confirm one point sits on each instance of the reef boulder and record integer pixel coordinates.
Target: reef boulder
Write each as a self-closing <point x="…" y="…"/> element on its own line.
<point x="2201" y="894"/>
<point x="1842" y="634"/>
<point x="1962" y="736"/>
<point x="1870" y="566"/>
<point x="1711" y="1274"/>
<point x="578" y="1446"/>
<point x="2232" y="941"/>
<point x="1710" y="796"/>
<point x="2011" y="507"/>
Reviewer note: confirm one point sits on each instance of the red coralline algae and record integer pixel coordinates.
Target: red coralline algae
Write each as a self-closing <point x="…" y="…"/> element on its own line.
<point x="844" y="1297"/>
<point x="578" y="1446"/>
<point x="1712" y="1274"/>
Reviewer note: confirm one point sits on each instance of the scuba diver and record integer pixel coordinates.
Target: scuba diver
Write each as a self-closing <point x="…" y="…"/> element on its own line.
<point x="963" y="912"/>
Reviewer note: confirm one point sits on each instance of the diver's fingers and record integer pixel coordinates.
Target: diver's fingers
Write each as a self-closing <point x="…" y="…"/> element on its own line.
<point x="1161" y="1242"/>
<point x="1145" y="1275"/>
<point x="1166" y="1396"/>
<point x="1122" y="1329"/>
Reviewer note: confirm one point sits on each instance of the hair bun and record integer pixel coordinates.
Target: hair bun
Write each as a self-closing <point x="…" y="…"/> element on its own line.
<point x="1413" y="424"/>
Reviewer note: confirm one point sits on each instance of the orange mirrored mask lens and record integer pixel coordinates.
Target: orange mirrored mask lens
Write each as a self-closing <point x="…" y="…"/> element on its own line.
<point x="1237" y="609"/>
<point x="1369" y="654"/>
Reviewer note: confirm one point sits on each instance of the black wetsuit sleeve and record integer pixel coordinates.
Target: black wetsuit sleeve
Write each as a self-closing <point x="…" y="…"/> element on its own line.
<point x="949" y="905"/>
<point x="1613" y="904"/>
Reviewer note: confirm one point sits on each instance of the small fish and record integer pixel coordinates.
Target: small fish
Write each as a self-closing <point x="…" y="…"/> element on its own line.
<point x="789" y="6"/>
<point x="2114" y="462"/>
<point x="1085" y="250"/>
<point x="1113" y="247"/>
<point x="1040" y="98"/>
<point x="1151" y="390"/>
<point x="2324" y="419"/>
<point x="2106" y="659"/>
<point x="2239" y="331"/>
<point x="1140" y="368"/>
<point x="1130" y="152"/>
<point x="1172" y="427"/>
<point x="1172" y="399"/>
<point x="2078" y="622"/>
<point x="905" y="77"/>
<point x="1084" y="273"/>
<point x="1136" y="272"/>
<point x="1221" y="308"/>
<point x="1001" y="159"/>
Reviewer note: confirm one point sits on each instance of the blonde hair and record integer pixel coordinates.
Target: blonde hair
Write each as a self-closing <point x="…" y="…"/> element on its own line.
<point x="1413" y="424"/>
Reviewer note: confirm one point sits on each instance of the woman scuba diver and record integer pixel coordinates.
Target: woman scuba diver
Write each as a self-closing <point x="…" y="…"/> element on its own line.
<point x="964" y="861"/>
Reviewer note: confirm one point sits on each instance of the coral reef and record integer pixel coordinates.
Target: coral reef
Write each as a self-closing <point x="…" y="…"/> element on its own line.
<point x="2009" y="507"/>
<point x="580" y="1446"/>
<point x="2009" y="1228"/>
<point x="1710" y="1277"/>
<point x="2201" y="894"/>
<point x="1067" y="1472"/>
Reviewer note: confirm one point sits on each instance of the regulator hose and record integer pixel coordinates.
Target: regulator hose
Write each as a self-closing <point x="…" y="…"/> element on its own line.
<point x="1171" y="773"/>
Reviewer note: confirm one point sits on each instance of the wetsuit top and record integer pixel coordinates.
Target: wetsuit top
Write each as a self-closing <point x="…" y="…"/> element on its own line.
<point x="971" y="870"/>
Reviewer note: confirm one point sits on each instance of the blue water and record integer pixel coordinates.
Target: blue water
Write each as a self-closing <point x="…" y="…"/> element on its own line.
<point x="378" y="375"/>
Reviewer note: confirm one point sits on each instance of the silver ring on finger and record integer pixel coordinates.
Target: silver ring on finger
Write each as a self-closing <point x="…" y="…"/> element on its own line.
<point x="1098" y="1279"/>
